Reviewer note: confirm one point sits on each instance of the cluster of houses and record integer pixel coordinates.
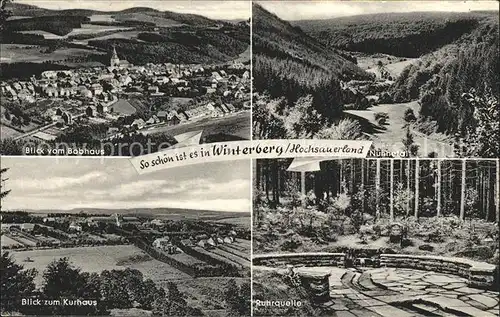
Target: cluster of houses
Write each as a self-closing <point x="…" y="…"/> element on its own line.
<point x="174" y="117"/>
<point x="98" y="93"/>
<point x="205" y="241"/>
<point x="102" y="83"/>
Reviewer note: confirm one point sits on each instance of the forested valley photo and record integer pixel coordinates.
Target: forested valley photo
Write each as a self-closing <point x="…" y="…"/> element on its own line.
<point x="427" y="78"/>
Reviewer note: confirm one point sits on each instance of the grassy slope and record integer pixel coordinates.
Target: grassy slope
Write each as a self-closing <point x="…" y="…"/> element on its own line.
<point x="390" y="135"/>
<point x="97" y="259"/>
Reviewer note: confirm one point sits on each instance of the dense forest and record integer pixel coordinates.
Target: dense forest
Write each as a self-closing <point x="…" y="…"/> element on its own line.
<point x="443" y="79"/>
<point x="402" y="34"/>
<point x="59" y="25"/>
<point x="203" y="46"/>
<point x="288" y="63"/>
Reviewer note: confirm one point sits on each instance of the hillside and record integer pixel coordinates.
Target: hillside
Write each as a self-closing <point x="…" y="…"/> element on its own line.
<point x="143" y="14"/>
<point x="141" y="35"/>
<point x="401" y="34"/>
<point x="440" y="79"/>
<point x="289" y="63"/>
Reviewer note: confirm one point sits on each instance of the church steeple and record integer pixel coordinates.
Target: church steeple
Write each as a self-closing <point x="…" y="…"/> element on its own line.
<point x="115" y="61"/>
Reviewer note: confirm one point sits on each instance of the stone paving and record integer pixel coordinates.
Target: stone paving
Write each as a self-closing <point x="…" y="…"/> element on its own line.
<point x="444" y="292"/>
<point x="396" y="292"/>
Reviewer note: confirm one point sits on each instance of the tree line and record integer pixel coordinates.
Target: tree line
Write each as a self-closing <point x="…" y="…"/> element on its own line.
<point x="403" y="34"/>
<point x="110" y="289"/>
<point x="424" y="188"/>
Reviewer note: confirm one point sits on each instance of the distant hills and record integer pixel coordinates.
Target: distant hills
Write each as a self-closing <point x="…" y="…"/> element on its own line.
<point x="409" y="34"/>
<point x="141" y="35"/>
<point x="25" y="10"/>
<point x="160" y="212"/>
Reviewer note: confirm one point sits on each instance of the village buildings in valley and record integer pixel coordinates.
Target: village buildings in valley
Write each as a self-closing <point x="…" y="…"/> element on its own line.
<point x="122" y="97"/>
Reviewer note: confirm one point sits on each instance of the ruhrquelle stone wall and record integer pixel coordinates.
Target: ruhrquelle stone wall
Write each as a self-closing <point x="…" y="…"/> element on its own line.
<point x="303" y="259"/>
<point x="479" y="274"/>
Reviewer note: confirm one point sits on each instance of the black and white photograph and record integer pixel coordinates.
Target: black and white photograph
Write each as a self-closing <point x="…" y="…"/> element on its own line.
<point x="418" y="78"/>
<point x="88" y="236"/>
<point x="99" y="76"/>
<point x="226" y="158"/>
<point x="376" y="237"/>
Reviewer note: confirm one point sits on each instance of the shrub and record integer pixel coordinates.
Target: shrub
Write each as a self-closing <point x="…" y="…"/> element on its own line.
<point x="381" y="115"/>
<point x="407" y="243"/>
<point x="478" y="252"/>
<point x="381" y="227"/>
<point x="426" y="247"/>
<point x="291" y="245"/>
<point x="409" y="115"/>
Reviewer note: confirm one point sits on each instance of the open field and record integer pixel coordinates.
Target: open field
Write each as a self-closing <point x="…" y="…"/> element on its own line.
<point x="236" y="252"/>
<point x="130" y="34"/>
<point x="390" y="136"/>
<point x="395" y="69"/>
<point x="102" y="18"/>
<point x="393" y="64"/>
<point x="85" y="29"/>
<point x="244" y="57"/>
<point x="8" y="242"/>
<point x="245" y="254"/>
<point x="239" y="221"/>
<point x="185" y="259"/>
<point x="6" y="132"/>
<point x="97" y="259"/>
<point x="230" y="256"/>
<point x="141" y="17"/>
<point x="242" y="244"/>
<point x="17" y="53"/>
<point x="216" y="256"/>
<point x="237" y="125"/>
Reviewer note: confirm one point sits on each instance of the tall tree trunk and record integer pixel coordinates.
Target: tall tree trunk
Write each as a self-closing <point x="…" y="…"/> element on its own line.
<point x="303" y="187"/>
<point x="391" y="182"/>
<point x="488" y="194"/>
<point x="353" y="176"/>
<point x="276" y="184"/>
<point x="268" y="180"/>
<point x="377" y="191"/>
<point x="257" y="176"/>
<point x="462" y="192"/>
<point x="363" y="186"/>
<point x="438" y="188"/>
<point x="408" y="185"/>
<point x="497" y="192"/>
<point x="417" y="183"/>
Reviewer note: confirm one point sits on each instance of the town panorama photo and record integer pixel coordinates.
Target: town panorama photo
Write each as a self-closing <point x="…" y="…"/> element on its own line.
<point x="113" y="78"/>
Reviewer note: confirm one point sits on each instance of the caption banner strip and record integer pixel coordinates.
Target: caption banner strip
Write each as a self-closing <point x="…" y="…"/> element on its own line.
<point x="319" y="150"/>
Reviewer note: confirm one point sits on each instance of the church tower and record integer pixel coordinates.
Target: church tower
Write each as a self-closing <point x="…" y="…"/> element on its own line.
<point x="115" y="61"/>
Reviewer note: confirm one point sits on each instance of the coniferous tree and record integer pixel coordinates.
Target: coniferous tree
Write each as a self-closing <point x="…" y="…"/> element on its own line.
<point x="16" y="283"/>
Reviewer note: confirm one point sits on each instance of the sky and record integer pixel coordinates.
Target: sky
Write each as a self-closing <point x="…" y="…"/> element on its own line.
<point x="222" y="10"/>
<point x="112" y="183"/>
<point x="310" y="10"/>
